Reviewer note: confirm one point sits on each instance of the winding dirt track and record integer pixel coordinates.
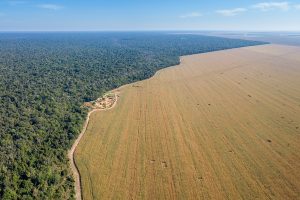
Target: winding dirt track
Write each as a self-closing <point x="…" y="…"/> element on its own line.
<point x="76" y="174"/>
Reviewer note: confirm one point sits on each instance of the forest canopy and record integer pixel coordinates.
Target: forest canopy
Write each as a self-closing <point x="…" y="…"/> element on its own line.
<point x="44" y="80"/>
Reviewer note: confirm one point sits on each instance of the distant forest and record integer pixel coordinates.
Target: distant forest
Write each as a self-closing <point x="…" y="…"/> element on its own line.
<point x="44" y="80"/>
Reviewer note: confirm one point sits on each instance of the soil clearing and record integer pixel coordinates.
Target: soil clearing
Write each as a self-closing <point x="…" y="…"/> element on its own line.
<point x="221" y="125"/>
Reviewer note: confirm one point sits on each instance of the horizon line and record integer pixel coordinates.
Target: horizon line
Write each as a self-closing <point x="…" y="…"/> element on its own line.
<point x="148" y="30"/>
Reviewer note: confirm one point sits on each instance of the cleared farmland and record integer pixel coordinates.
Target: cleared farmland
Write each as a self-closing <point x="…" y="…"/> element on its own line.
<point x="221" y="125"/>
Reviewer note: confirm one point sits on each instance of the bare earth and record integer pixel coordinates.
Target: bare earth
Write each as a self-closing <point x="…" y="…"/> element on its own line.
<point x="221" y="125"/>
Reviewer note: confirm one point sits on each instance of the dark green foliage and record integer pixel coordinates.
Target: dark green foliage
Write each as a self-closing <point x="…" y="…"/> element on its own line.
<point x="44" y="80"/>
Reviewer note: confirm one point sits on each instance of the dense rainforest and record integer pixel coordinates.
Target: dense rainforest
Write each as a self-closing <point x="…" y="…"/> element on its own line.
<point x="44" y="80"/>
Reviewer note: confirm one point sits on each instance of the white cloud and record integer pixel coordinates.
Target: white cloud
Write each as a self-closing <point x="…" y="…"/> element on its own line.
<point x="297" y="7"/>
<point x="191" y="15"/>
<point x="265" y="6"/>
<point x="50" y="6"/>
<point x="231" y="12"/>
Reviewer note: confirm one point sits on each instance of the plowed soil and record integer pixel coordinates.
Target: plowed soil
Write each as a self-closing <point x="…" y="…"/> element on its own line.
<point x="221" y="125"/>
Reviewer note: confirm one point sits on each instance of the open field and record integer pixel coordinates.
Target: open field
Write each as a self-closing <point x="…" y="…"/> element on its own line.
<point x="221" y="125"/>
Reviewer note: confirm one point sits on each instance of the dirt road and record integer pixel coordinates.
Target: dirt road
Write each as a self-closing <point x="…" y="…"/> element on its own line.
<point x="74" y="168"/>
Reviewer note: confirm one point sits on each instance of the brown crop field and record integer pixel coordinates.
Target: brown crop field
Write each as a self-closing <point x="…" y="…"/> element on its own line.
<point x="221" y="125"/>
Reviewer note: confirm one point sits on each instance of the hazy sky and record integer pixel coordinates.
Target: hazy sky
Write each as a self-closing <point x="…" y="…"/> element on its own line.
<point x="88" y="15"/>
